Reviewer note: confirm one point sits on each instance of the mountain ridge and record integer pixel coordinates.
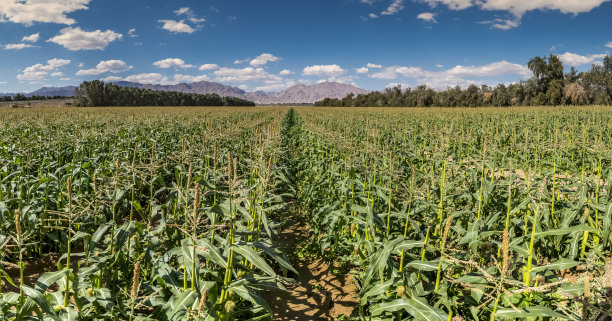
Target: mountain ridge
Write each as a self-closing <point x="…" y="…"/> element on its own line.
<point x="295" y="94"/>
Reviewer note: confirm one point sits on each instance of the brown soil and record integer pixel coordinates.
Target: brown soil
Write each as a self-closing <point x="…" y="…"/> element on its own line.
<point x="32" y="272"/>
<point x="317" y="294"/>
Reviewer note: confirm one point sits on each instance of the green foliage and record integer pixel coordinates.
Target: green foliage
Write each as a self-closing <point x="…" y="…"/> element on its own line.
<point x="97" y="94"/>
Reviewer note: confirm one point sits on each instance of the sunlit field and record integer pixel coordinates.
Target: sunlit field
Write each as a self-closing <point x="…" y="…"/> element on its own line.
<point x="174" y="213"/>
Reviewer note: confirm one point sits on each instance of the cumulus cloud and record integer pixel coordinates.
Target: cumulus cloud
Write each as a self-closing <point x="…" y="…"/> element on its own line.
<point x="503" y="24"/>
<point x="241" y="61"/>
<point x="609" y="44"/>
<point x="208" y="67"/>
<point x="29" y="11"/>
<point x="112" y="66"/>
<point x="455" y="76"/>
<point x="176" y="26"/>
<point x="452" y="4"/>
<point x="31" y="38"/>
<point x="362" y="70"/>
<point x="572" y="59"/>
<point x="188" y="78"/>
<point x="286" y="72"/>
<point x="275" y="86"/>
<point x="263" y="59"/>
<point x="394" y="71"/>
<point x="518" y="8"/>
<point x="493" y="69"/>
<point x="373" y="66"/>
<point x="150" y="78"/>
<point x="373" y="16"/>
<point x="245" y="74"/>
<point x="77" y="39"/>
<point x="57" y="74"/>
<point x="186" y="11"/>
<point x="427" y="16"/>
<point x="179" y="26"/>
<point x="39" y="72"/>
<point x="132" y="33"/>
<point x="395" y="7"/>
<point x="323" y="71"/>
<point x="172" y="62"/>
<point x="17" y="46"/>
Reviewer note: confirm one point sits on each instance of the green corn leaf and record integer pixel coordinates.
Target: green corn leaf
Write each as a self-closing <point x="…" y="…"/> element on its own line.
<point x="536" y="311"/>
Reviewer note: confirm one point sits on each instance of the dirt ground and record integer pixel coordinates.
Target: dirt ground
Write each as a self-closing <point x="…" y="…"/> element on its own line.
<point x="317" y="293"/>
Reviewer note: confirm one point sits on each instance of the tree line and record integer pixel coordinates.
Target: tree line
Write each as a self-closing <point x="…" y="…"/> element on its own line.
<point x="22" y="97"/>
<point x="548" y="86"/>
<point x="98" y="94"/>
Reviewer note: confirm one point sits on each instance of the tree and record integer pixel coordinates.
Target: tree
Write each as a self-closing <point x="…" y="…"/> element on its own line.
<point x="574" y="94"/>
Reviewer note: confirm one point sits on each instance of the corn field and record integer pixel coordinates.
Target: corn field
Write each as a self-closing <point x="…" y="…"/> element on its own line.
<point x="436" y="214"/>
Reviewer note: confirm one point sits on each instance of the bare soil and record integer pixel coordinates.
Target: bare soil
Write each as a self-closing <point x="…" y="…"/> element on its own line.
<point x="317" y="293"/>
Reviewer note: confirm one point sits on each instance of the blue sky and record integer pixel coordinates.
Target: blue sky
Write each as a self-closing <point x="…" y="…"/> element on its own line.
<point x="270" y="45"/>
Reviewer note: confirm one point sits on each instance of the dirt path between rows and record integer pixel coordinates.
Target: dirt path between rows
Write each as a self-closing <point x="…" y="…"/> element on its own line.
<point x="317" y="294"/>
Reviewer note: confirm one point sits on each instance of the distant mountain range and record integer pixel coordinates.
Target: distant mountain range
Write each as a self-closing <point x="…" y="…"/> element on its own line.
<point x="292" y="95"/>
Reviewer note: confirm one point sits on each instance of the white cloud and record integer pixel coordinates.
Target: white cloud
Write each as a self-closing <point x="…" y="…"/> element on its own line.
<point x="112" y="66"/>
<point x="151" y="78"/>
<point x="452" y="4"/>
<point x="373" y="16"/>
<point x="323" y="71"/>
<point x="439" y="65"/>
<point x="519" y="7"/>
<point x="493" y="69"/>
<point x="132" y="33"/>
<point x="189" y="79"/>
<point x="66" y="79"/>
<point x="572" y="59"/>
<point x="503" y="24"/>
<point x="286" y="72"/>
<point x="276" y="86"/>
<point x="241" y="61"/>
<point x="454" y="76"/>
<point x="186" y="11"/>
<point x="3" y="82"/>
<point x="17" y="46"/>
<point x="362" y="70"/>
<point x="395" y="7"/>
<point x="245" y="74"/>
<point x="57" y="74"/>
<point x="263" y="59"/>
<point x="112" y="79"/>
<point x="38" y="72"/>
<point x="208" y="67"/>
<point x="77" y="39"/>
<point x="31" y="38"/>
<point x="56" y="63"/>
<point x="172" y="62"/>
<point x="373" y="66"/>
<point x="244" y="87"/>
<point x="29" y="11"/>
<point x="393" y="72"/>
<point x="177" y="26"/>
<point x="427" y="16"/>
<point x="609" y="44"/>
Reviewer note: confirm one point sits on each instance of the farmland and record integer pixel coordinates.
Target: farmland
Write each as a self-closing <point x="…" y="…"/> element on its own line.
<point x="432" y="214"/>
